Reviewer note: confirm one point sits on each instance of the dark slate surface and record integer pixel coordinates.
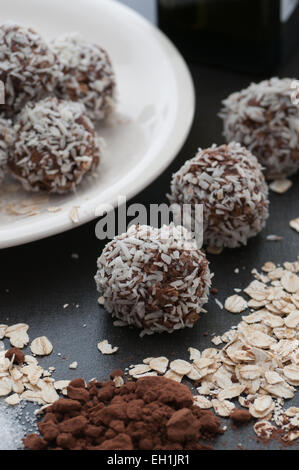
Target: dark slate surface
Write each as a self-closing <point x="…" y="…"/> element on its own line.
<point x="37" y="279"/>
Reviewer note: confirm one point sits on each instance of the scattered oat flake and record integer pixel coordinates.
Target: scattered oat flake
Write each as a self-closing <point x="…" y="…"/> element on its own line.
<point x="118" y="381"/>
<point x="146" y="374"/>
<point x="61" y="384"/>
<point x="216" y="340"/>
<point x="159" y="364"/>
<point x="268" y="267"/>
<point x="273" y="238"/>
<point x="30" y="359"/>
<point x="290" y="282"/>
<point x="295" y="224"/>
<point x="194" y="374"/>
<point x="223" y="407"/>
<point x="3" y="329"/>
<point x="180" y="366"/>
<point x="101" y="300"/>
<point x="202" y="402"/>
<point x="34" y="396"/>
<point x="19" y="339"/>
<point x="263" y="403"/>
<point x="250" y="371"/>
<point x="147" y="360"/>
<point x="257" y="338"/>
<point x="13" y="399"/>
<point x="139" y="369"/>
<point x="73" y="365"/>
<point x="231" y="392"/>
<point x="48" y="393"/>
<point x="41" y="346"/>
<point x="5" y="386"/>
<point x="292" y="320"/>
<point x="17" y="335"/>
<point x="281" y="390"/>
<point x="235" y="304"/>
<point x="170" y="374"/>
<point x="264" y="429"/>
<point x="74" y="214"/>
<point x="41" y="410"/>
<point x="281" y="186"/>
<point x="291" y="373"/>
<point x="273" y="377"/>
<point x="195" y="354"/>
<point x="105" y="348"/>
<point x="292" y="411"/>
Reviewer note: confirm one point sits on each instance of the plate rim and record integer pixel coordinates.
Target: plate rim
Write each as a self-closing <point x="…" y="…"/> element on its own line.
<point x="11" y="237"/>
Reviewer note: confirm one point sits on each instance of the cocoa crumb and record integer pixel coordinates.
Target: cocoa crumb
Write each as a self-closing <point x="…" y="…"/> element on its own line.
<point x="18" y="355"/>
<point x="240" y="417"/>
<point x="35" y="442"/>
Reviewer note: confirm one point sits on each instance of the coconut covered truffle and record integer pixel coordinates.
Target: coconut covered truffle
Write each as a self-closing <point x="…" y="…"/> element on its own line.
<point x="155" y="279"/>
<point x="87" y="75"/>
<point x="6" y="140"/>
<point x="28" y="67"/>
<point x="55" y="146"/>
<point x="228" y="181"/>
<point x="265" y="119"/>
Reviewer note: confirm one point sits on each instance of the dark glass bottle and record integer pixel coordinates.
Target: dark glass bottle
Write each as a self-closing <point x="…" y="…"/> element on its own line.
<point x="247" y="35"/>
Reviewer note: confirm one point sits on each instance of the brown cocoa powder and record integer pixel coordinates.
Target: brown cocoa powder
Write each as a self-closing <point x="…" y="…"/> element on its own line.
<point x="153" y="413"/>
<point x="240" y="417"/>
<point x="17" y="354"/>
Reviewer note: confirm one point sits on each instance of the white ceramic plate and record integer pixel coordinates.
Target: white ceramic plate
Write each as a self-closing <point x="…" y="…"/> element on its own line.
<point x="156" y="108"/>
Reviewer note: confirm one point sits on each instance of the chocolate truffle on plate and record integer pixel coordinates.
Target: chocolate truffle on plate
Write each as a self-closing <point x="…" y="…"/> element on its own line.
<point x="265" y="119"/>
<point x="54" y="147"/>
<point x="28" y="67"/>
<point x="6" y="140"/>
<point x="87" y="75"/>
<point x="155" y="279"/>
<point x="229" y="182"/>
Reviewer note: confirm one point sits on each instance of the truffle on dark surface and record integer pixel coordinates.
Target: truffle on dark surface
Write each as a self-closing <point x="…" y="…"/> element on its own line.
<point x="265" y="119"/>
<point x="155" y="279"/>
<point x="55" y="146"/>
<point x="229" y="182"/>
<point x="28" y="67"/>
<point x="6" y="140"/>
<point x="87" y="75"/>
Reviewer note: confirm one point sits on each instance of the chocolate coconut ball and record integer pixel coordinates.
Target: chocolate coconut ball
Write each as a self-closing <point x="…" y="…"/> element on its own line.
<point x="6" y="140"/>
<point x="229" y="182"/>
<point x="28" y="67"/>
<point x="55" y="146"/>
<point x="265" y="119"/>
<point x="155" y="279"/>
<point x="87" y="75"/>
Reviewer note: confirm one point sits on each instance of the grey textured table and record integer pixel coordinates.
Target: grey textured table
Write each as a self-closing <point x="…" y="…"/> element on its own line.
<point x="37" y="279"/>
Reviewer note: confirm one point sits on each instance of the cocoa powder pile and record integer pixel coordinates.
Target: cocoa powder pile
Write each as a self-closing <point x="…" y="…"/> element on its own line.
<point x="150" y="414"/>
